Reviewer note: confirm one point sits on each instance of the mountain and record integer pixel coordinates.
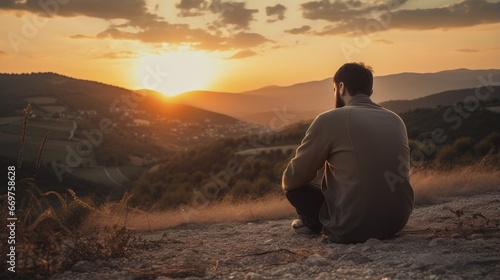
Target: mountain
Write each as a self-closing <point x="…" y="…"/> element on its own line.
<point x="416" y="85"/>
<point x="445" y="98"/>
<point x="306" y="100"/>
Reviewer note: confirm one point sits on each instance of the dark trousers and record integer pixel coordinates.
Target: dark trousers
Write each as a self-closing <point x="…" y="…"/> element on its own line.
<point x="307" y="201"/>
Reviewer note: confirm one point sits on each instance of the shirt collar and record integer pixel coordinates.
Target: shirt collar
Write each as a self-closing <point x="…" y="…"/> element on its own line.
<point x="361" y="99"/>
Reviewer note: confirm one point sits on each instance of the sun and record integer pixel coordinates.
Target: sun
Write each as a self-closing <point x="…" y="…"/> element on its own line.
<point x="176" y="72"/>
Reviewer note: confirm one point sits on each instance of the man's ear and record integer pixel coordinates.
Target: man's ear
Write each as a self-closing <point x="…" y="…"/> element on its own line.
<point x="341" y="88"/>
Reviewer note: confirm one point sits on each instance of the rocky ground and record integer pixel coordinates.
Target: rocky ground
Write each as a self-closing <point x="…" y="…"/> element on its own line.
<point x="458" y="239"/>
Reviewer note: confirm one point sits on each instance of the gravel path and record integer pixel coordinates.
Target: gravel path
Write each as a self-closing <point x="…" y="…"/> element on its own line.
<point x="436" y="244"/>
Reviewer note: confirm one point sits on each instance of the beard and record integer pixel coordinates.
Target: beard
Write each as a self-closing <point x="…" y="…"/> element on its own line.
<point x="339" y="103"/>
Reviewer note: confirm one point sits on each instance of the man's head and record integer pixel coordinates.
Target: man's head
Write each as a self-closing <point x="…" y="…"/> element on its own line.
<point x="356" y="78"/>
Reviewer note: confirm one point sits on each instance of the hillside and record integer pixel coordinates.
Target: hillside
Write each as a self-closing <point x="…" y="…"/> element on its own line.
<point x="90" y="125"/>
<point x="259" y="160"/>
<point x="305" y="100"/>
<point x="81" y="105"/>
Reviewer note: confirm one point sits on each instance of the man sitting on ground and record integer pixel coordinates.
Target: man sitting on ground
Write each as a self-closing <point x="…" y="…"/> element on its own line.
<point x="363" y="150"/>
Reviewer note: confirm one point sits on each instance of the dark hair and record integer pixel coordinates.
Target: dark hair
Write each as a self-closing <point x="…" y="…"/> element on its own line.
<point x="357" y="78"/>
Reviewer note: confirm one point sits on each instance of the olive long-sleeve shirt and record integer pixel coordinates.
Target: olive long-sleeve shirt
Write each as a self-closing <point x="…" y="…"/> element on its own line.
<point x="364" y="149"/>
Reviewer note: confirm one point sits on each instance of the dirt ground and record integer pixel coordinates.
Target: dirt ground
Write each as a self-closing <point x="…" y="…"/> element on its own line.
<point x="458" y="239"/>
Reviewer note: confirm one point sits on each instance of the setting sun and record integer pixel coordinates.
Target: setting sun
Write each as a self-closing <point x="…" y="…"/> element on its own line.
<point x="173" y="73"/>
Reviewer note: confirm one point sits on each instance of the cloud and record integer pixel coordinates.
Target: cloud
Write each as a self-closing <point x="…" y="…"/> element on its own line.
<point x="139" y="24"/>
<point x="230" y="14"/>
<point x="242" y="54"/>
<point x="467" y="50"/>
<point x="182" y="34"/>
<point x="304" y="29"/>
<point x="80" y="36"/>
<point x="191" y="8"/>
<point x="352" y="17"/>
<point x="384" y="41"/>
<point x="277" y="12"/>
<point x="109" y="9"/>
<point x="465" y="13"/>
<point x="246" y="40"/>
<point x="118" y="55"/>
<point x="234" y="14"/>
<point x="339" y="10"/>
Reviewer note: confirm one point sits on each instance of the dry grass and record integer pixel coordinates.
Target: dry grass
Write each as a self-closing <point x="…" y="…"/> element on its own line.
<point x="430" y="186"/>
<point x="265" y="209"/>
<point x="47" y="240"/>
<point x="49" y="232"/>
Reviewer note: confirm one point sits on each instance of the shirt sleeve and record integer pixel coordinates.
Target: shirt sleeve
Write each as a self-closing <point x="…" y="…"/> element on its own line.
<point x="309" y="157"/>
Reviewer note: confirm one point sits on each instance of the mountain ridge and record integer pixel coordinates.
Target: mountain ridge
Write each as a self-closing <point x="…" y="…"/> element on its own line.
<point x="308" y="99"/>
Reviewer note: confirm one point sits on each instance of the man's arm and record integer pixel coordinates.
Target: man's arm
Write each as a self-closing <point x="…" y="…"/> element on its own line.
<point x="309" y="158"/>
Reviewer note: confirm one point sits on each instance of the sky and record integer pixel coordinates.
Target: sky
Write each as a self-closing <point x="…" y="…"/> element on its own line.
<point x="174" y="46"/>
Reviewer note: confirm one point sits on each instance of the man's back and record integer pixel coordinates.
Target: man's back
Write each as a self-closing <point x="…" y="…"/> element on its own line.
<point x="366" y="188"/>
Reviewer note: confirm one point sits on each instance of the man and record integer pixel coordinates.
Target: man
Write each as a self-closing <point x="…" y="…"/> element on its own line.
<point x="363" y="150"/>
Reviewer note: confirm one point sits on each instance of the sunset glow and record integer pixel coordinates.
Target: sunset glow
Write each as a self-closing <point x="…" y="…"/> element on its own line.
<point x="176" y="72"/>
<point x="238" y="46"/>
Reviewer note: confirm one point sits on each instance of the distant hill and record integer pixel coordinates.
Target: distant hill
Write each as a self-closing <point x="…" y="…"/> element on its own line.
<point x="446" y="98"/>
<point x="16" y="90"/>
<point x="305" y="100"/>
<point x="233" y="104"/>
<point x="146" y="125"/>
<point x="416" y="85"/>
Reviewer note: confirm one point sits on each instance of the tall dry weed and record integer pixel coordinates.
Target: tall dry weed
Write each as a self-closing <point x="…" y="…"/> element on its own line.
<point x="48" y="238"/>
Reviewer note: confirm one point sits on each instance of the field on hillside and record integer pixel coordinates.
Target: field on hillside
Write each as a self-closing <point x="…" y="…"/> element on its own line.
<point x="284" y="149"/>
<point x="58" y="129"/>
<point x="109" y="176"/>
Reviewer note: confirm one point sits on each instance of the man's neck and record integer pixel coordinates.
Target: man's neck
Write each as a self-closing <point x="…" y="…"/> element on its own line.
<point x="360" y="98"/>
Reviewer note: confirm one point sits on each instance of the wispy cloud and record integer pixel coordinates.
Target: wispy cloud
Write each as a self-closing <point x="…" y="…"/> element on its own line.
<point x="242" y="54"/>
<point x="118" y="55"/>
<point x="467" y="50"/>
<point x="304" y="29"/>
<point x="384" y="41"/>
<point x="81" y="36"/>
